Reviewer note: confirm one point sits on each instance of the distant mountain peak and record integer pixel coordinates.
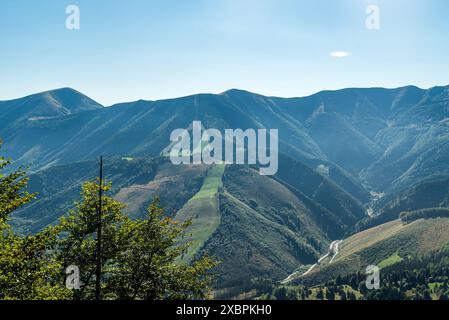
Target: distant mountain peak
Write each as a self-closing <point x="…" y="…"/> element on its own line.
<point x="48" y="104"/>
<point x="63" y="90"/>
<point x="237" y="92"/>
<point x="69" y="99"/>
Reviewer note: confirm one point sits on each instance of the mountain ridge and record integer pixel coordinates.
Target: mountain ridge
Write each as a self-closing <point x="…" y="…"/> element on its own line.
<point x="396" y="130"/>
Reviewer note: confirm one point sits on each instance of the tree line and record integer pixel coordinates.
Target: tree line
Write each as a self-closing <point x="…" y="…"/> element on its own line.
<point x="410" y="216"/>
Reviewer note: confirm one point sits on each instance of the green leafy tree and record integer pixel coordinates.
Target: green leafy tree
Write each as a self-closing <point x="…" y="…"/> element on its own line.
<point x="12" y="190"/>
<point x="78" y="234"/>
<point x="149" y="268"/>
<point x="140" y="258"/>
<point x="28" y="270"/>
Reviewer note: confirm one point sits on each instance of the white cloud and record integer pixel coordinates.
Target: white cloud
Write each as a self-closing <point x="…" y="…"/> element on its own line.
<point x="340" y="54"/>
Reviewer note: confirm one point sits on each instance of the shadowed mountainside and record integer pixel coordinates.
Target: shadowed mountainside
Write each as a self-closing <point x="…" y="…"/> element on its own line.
<point x="387" y="139"/>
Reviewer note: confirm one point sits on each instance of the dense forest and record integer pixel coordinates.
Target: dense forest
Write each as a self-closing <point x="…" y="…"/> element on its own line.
<point x="410" y="216"/>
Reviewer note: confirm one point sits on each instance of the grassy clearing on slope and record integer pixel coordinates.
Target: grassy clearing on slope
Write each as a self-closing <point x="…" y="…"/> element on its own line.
<point x="368" y="238"/>
<point x="211" y="183"/>
<point x="204" y="209"/>
<point x="391" y="260"/>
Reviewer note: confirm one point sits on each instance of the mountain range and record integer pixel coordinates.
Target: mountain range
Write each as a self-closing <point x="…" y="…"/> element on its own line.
<point x="349" y="160"/>
<point x="386" y="139"/>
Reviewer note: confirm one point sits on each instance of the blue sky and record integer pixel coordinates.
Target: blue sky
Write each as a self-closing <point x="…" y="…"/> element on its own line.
<point x="152" y="49"/>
